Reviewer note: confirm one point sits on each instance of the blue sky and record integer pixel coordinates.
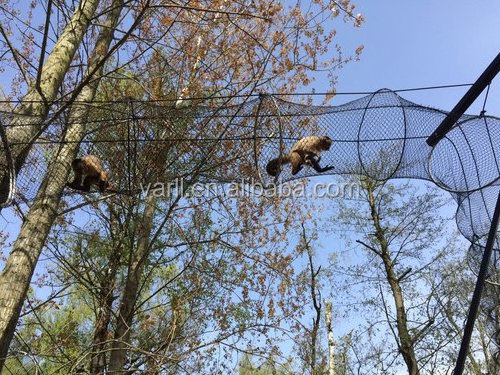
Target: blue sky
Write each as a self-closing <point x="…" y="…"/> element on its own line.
<point x="423" y="43"/>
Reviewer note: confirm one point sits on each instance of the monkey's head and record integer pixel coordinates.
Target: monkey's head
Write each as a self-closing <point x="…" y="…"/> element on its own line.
<point x="326" y="142"/>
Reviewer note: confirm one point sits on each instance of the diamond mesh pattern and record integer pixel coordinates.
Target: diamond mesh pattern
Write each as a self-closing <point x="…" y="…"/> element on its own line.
<point x="381" y="135"/>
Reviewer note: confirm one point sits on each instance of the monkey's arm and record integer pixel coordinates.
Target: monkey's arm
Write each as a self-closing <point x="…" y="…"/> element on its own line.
<point x="77" y="181"/>
<point x="318" y="168"/>
<point x="309" y="160"/>
<point x="78" y="166"/>
<point x="309" y="157"/>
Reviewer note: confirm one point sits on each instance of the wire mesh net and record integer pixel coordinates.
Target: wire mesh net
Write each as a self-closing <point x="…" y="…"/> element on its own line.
<point x="381" y="135"/>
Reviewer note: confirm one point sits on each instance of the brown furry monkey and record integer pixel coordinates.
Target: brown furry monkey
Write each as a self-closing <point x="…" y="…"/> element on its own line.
<point x="307" y="150"/>
<point x="89" y="171"/>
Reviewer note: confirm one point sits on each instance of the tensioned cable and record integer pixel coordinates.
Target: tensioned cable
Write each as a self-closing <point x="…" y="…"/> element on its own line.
<point x="179" y="114"/>
<point x="483" y="111"/>
<point x="126" y="100"/>
<point x="171" y="140"/>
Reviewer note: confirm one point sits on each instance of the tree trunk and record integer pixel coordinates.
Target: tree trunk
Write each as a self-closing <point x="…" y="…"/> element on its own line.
<point x="106" y="298"/>
<point x="331" y="343"/>
<point x="131" y="290"/>
<point x="317" y="309"/>
<point x="19" y="268"/>
<point x="36" y="103"/>
<point x="406" y="346"/>
<point x="16" y="276"/>
<point x="98" y="358"/>
<point x="405" y="339"/>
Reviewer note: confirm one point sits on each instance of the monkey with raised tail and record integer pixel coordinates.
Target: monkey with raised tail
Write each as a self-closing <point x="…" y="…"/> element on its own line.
<point x="89" y="171"/>
<point x="307" y="151"/>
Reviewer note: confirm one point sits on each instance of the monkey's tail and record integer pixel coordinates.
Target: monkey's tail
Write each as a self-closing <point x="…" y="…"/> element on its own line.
<point x="274" y="165"/>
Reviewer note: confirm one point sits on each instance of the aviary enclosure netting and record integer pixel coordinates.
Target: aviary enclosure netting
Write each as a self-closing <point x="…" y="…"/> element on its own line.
<point x="380" y="135"/>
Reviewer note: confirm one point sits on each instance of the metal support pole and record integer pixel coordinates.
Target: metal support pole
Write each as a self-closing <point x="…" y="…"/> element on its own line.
<point x="475" y="90"/>
<point x="476" y="297"/>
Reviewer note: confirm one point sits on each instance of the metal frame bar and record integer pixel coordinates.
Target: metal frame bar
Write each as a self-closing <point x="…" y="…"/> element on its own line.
<point x="478" y="290"/>
<point x="476" y="89"/>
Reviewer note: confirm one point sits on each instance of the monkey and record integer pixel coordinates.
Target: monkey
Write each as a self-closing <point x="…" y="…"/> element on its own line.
<point x="89" y="171"/>
<point x="307" y="151"/>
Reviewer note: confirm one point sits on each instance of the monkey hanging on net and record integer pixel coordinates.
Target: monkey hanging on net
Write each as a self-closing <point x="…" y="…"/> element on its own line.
<point x="89" y="171"/>
<point x="307" y="151"/>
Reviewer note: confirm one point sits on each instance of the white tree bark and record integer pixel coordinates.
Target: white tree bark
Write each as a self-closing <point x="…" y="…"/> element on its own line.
<point x="331" y="342"/>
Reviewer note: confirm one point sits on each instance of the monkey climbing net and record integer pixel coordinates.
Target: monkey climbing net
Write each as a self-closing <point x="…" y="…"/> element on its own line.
<point x="381" y="135"/>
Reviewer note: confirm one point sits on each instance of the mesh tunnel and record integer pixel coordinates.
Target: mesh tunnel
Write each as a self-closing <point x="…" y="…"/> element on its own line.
<point x="381" y="135"/>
